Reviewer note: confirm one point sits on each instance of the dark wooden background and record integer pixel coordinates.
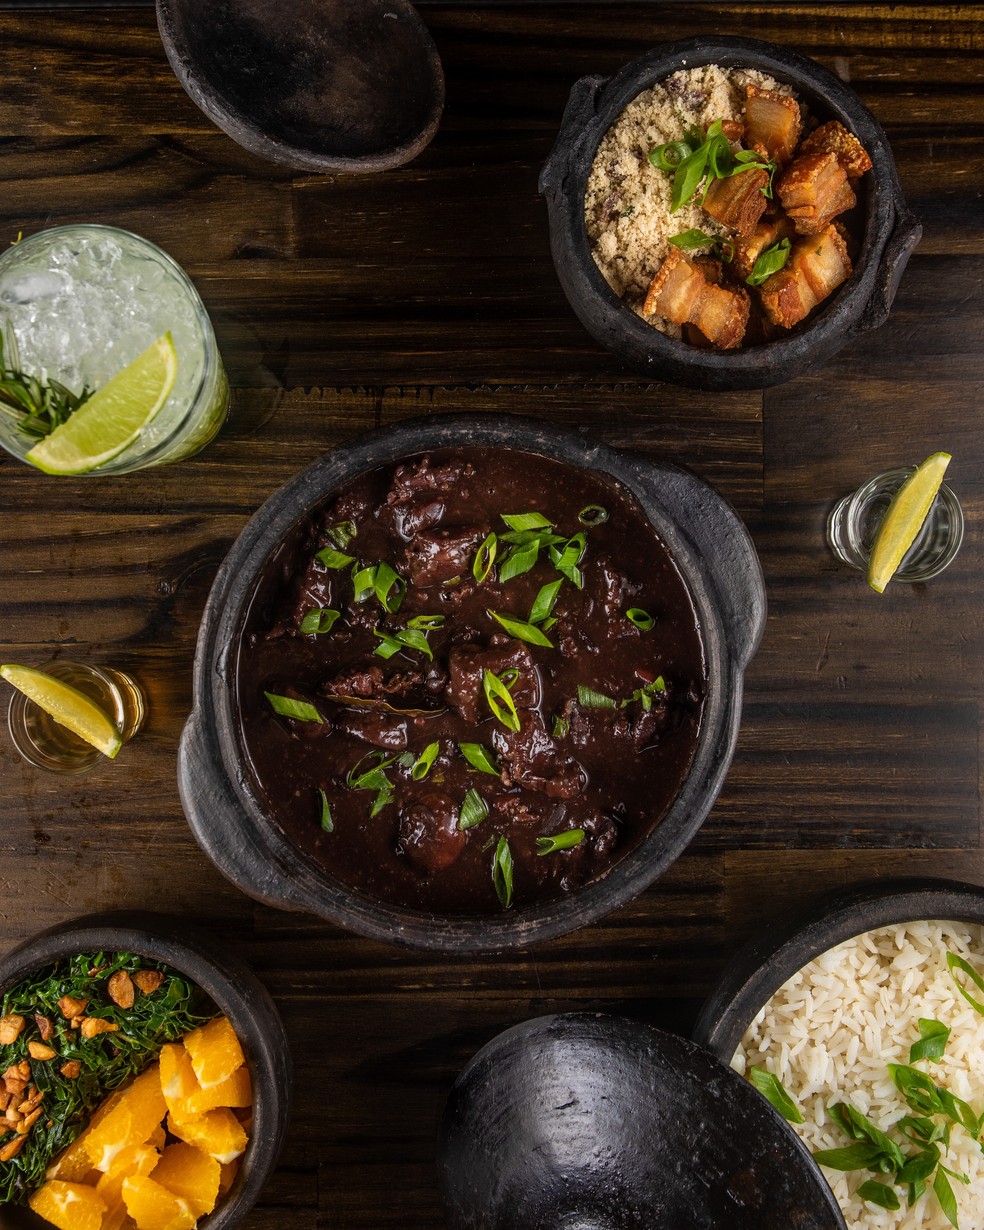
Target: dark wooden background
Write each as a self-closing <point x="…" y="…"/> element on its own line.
<point x="342" y="304"/>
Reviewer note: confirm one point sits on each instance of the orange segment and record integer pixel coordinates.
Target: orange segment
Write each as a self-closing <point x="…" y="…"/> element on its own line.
<point x="70" y="1206"/>
<point x="74" y="1163"/>
<point x="178" y="1079"/>
<point x="153" y="1207"/>
<point x="131" y="1121"/>
<point x="215" y="1052"/>
<point x="134" y="1160"/>
<point x="218" y="1132"/>
<point x="117" y="1218"/>
<point x="188" y="1172"/>
<point x="236" y="1091"/>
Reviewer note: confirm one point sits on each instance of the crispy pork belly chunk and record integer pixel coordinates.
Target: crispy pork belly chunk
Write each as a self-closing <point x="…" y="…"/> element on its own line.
<point x="748" y="249"/>
<point x="817" y="265"/>
<point x="834" y="138"/>
<point x="682" y="295"/>
<point x="737" y="202"/>
<point x="813" y="191"/>
<point x="773" y="121"/>
<point x="429" y="835"/>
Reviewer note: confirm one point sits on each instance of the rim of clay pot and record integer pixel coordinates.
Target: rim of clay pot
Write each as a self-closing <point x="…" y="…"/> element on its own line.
<point x="233" y="988"/>
<point x="761" y="967"/>
<point x="594" y="1122"/>
<point x="221" y="73"/>
<point x="715" y="556"/>
<point x="863" y="302"/>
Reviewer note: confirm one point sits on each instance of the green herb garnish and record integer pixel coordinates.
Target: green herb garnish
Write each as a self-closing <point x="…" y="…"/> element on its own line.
<point x="594" y="514"/>
<point x="567" y="556"/>
<point x="502" y="873"/>
<point x="642" y="619"/>
<point x="933" y="1037"/>
<point x="522" y="631"/>
<point x="769" y="262"/>
<point x="326" y="821"/>
<point x="705" y="156"/>
<point x="485" y="558"/>
<point x="527" y="521"/>
<point x="955" y="962"/>
<point x="479" y="758"/>
<point x="342" y="533"/>
<point x="687" y="241"/>
<point x="38" y="408"/>
<point x="413" y="636"/>
<point x="560" y="841"/>
<point x="770" y="1087"/>
<point x="332" y="558"/>
<point x="588" y="698"/>
<point x="422" y="765"/>
<point x="473" y="811"/>
<point x="373" y="778"/>
<point x="299" y="710"/>
<point x="320" y="620"/>
<point x="499" y="698"/>
<point x="880" y="1194"/>
<point x="543" y="603"/>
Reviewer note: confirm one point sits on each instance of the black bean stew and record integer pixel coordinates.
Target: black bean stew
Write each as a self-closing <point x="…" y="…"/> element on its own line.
<point x="472" y="682"/>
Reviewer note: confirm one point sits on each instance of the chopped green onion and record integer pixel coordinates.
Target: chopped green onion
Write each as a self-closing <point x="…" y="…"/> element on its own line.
<point x="427" y="622"/>
<point x="667" y="157"/>
<point x="334" y="559"/>
<point x="363" y="582"/>
<point x="933" y="1037"/>
<point x="479" y="758"/>
<point x="485" y="558"/>
<point x="299" y="710"/>
<point x="694" y="238"/>
<point x="519" y="560"/>
<point x="560" y="841"/>
<point x="944" y="1194"/>
<point x="321" y="619"/>
<point x="880" y="1194"/>
<point x="386" y="582"/>
<point x="327" y="823"/>
<point x="645" y="694"/>
<point x="342" y="533"/>
<point x="527" y="521"/>
<point x="561" y="728"/>
<point x="590" y="699"/>
<point x="771" y="1088"/>
<point x="473" y="811"/>
<point x="769" y="262"/>
<point x="543" y="603"/>
<point x="405" y="638"/>
<point x="496" y="690"/>
<point x="955" y="962"/>
<point x="593" y="514"/>
<point x="373" y="778"/>
<point x="566" y="558"/>
<point x="390" y="645"/>
<point x="642" y="619"/>
<point x="422" y="765"/>
<point x="522" y="631"/>
<point x="502" y="873"/>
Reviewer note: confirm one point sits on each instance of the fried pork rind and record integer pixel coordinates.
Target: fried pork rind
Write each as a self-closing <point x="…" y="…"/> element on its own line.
<point x="813" y="191"/>
<point x="749" y="248"/>
<point x="681" y="294"/>
<point x="817" y="265"/>
<point x="834" y="138"/>
<point x="772" y="120"/>
<point x="738" y="202"/>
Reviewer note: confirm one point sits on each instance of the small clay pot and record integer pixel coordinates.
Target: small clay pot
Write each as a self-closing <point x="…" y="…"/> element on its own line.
<point x="581" y="1122"/>
<point x="759" y="969"/>
<point x="862" y="303"/>
<point x="322" y="85"/>
<point x="717" y="560"/>
<point x="233" y="988"/>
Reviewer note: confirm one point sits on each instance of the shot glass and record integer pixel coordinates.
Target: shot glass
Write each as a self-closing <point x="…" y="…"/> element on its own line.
<point x="854" y="521"/>
<point x="47" y="744"/>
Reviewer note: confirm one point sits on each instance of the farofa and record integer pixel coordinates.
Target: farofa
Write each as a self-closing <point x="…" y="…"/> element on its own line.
<point x="627" y="201"/>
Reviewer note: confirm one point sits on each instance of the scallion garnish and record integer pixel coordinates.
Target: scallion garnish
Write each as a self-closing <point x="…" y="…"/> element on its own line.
<point x="645" y="694"/>
<point x="502" y="873"/>
<point x="933" y="1037"/>
<point x="955" y="962"/>
<point x="326" y="821"/>
<point x="522" y="631"/>
<point x="561" y="727"/>
<point x="543" y="603"/>
<point x="473" y="811"/>
<point x="373" y="778"/>
<point x="769" y="262"/>
<point x="560" y="841"/>
<point x="485" y="558"/>
<point x="426" y="622"/>
<point x="499" y="699"/>
<point x="341" y="533"/>
<point x="320" y="620"/>
<point x="593" y="514"/>
<point x="332" y="558"/>
<point x="567" y="556"/>
<point x="479" y="758"/>
<point x="590" y="699"/>
<point x="527" y="521"/>
<point x="413" y="636"/>
<point x="771" y="1088"/>
<point x="519" y="560"/>
<point x="389" y="587"/>
<point x="642" y="619"/>
<point x="708" y="155"/>
<point x="880" y="1194"/>
<point x="299" y="710"/>
<point x="422" y="765"/>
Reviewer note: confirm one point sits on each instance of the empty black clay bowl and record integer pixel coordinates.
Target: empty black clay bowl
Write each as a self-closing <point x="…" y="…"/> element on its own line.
<point x="717" y="561"/>
<point x="863" y="302"/>
<point x="233" y="988"/>
<point x="760" y="968"/>
<point x="321" y="85"/>
<point x="582" y="1122"/>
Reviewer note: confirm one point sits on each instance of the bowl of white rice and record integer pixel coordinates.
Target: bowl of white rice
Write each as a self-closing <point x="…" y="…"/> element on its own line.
<point x="864" y="1025"/>
<point x="609" y="227"/>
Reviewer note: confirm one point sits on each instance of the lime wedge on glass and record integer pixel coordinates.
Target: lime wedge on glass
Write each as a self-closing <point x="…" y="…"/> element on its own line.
<point x="68" y="706"/>
<point x="904" y="519"/>
<point x="113" y="416"/>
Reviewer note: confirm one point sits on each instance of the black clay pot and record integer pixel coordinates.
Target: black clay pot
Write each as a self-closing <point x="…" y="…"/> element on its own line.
<point x="716" y="559"/>
<point x="862" y="303"/>
<point x="761" y="967"/>
<point x="322" y="85"/>
<point x="579" y="1122"/>
<point x="236" y="992"/>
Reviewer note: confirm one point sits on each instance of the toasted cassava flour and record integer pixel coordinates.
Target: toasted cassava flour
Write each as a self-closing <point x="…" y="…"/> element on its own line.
<point x="627" y="201"/>
<point x="829" y="1033"/>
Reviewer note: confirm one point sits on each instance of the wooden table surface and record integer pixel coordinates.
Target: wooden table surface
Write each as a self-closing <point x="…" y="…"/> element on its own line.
<point x="343" y="304"/>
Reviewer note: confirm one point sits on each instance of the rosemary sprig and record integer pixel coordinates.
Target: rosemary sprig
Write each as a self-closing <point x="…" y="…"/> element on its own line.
<point x="39" y="408"/>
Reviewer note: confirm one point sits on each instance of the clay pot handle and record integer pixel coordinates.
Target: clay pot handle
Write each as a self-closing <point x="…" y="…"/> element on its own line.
<point x="904" y="237"/>
<point x="580" y="109"/>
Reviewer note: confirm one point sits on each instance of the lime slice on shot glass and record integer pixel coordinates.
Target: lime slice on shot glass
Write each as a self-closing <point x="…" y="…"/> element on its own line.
<point x="904" y="519"/>
<point x="68" y="706"/>
<point x="113" y="416"/>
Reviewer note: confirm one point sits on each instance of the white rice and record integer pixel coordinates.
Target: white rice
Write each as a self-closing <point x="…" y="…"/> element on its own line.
<point x="830" y="1031"/>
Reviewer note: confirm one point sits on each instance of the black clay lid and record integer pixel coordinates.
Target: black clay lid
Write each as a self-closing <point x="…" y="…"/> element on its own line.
<point x="590" y="1122"/>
